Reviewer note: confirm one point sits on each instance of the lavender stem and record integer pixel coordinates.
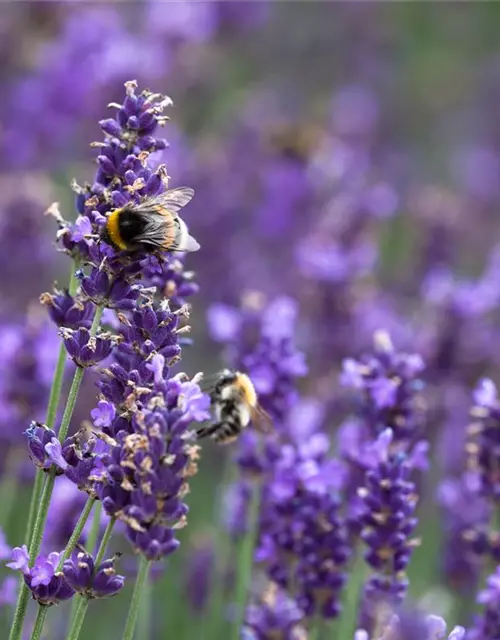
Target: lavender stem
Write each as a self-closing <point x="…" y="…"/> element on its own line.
<point x="54" y="397"/>
<point x="245" y="562"/>
<point x="39" y="622"/>
<point x="347" y="622"/>
<point x="78" y="618"/>
<point x="145" y="611"/>
<point x="77" y="532"/>
<point x="94" y="531"/>
<point x="222" y="553"/>
<point x="43" y="508"/>
<point x="8" y="486"/>
<point x="140" y="581"/>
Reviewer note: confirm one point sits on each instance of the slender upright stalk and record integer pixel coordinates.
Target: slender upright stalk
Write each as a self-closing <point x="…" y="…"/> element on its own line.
<point x="50" y="419"/>
<point x="140" y="581"/>
<point x="347" y="622"/>
<point x="314" y="633"/>
<point x="223" y="547"/>
<point x="43" y="506"/>
<point x="51" y="476"/>
<point x="36" y="634"/>
<point x="245" y="562"/>
<point x="145" y="611"/>
<point x="8" y="485"/>
<point x="104" y="542"/>
<point x="77" y="532"/>
<point x="94" y="531"/>
<point x="78" y="618"/>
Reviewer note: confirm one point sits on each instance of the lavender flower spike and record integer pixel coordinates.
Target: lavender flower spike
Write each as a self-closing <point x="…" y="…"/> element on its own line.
<point x="91" y="581"/>
<point x="47" y="585"/>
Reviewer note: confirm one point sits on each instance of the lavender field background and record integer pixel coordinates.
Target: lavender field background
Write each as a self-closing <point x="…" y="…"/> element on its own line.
<point x="345" y="158"/>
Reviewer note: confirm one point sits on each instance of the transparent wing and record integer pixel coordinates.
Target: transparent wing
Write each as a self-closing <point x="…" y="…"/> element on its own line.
<point x="261" y="420"/>
<point x="173" y="200"/>
<point x="159" y="228"/>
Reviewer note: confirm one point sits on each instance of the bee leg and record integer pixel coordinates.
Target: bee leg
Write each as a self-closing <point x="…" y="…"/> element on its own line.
<point x="204" y="432"/>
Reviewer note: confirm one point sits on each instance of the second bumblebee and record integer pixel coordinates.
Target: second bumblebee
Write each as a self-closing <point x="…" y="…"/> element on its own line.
<point x="235" y="404"/>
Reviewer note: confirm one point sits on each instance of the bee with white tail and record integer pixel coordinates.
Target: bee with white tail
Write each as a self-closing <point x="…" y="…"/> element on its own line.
<point x="151" y="225"/>
<point x="235" y="405"/>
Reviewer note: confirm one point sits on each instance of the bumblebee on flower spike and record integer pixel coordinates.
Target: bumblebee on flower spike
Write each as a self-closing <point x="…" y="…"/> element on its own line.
<point x="235" y="404"/>
<point x="151" y="225"/>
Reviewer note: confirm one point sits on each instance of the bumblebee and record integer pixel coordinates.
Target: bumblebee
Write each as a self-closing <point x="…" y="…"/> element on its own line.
<point x="151" y="225"/>
<point x="235" y="404"/>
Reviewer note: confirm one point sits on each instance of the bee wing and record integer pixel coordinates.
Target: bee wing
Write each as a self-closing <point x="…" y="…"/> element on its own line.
<point x="163" y="229"/>
<point x="173" y="200"/>
<point x="261" y="420"/>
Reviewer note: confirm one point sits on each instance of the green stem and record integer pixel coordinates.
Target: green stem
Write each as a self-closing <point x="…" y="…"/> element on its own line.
<point x="50" y="418"/>
<point x="55" y="394"/>
<point x="36" y="634"/>
<point x="94" y="531"/>
<point x="35" y="501"/>
<point x="140" y="581"/>
<point x="104" y="542"/>
<point x="8" y="486"/>
<point x="78" y="618"/>
<point x="145" y="611"/>
<point x="347" y="621"/>
<point x="77" y="532"/>
<point x="221" y="566"/>
<point x="314" y="634"/>
<point x="245" y="562"/>
<point x="42" y="506"/>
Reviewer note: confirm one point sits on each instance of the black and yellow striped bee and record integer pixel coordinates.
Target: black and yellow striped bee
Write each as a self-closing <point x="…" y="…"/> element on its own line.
<point x="151" y="225"/>
<point x="235" y="405"/>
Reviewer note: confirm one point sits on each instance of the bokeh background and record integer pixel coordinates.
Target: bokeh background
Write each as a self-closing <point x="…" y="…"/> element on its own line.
<point x="344" y="154"/>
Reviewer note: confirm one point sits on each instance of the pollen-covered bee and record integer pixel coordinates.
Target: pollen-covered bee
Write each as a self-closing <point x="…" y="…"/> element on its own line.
<point x="235" y="404"/>
<point x="151" y="225"/>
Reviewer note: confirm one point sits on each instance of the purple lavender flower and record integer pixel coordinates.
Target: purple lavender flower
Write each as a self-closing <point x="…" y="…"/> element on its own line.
<point x="8" y="591"/>
<point x="86" y="350"/>
<point x="23" y="226"/>
<point x="125" y="174"/>
<point x="303" y="535"/>
<point x="29" y="351"/>
<point x="487" y="625"/>
<point x="41" y="440"/>
<point x="387" y="518"/>
<point x="199" y="575"/>
<point x="47" y="585"/>
<point x="466" y="522"/>
<point x="5" y="550"/>
<point x="68" y="88"/>
<point x="104" y="414"/>
<point x="410" y="625"/>
<point x="93" y="582"/>
<point x="143" y="478"/>
<point x="387" y="390"/>
<point x="67" y="311"/>
<point x="275" y="616"/>
<point x="270" y="358"/>
<point x="484" y="439"/>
